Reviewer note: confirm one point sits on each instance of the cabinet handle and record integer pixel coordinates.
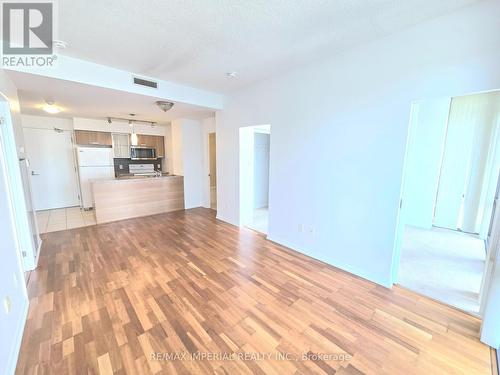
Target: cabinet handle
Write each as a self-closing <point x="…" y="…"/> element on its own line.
<point x="94" y="143"/>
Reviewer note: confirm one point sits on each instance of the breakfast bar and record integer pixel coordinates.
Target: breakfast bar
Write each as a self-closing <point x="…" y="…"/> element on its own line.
<point x="125" y="198"/>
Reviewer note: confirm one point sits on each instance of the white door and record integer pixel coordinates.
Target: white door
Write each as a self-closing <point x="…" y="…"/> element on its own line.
<point x="426" y="137"/>
<point x="52" y="166"/>
<point x="455" y="165"/>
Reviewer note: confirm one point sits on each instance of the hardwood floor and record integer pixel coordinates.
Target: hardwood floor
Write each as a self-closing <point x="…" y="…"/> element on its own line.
<point x="118" y="297"/>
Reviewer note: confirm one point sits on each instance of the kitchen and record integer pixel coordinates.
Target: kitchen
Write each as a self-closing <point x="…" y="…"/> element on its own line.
<point x="90" y="171"/>
<point x="126" y="139"/>
<point x="121" y="174"/>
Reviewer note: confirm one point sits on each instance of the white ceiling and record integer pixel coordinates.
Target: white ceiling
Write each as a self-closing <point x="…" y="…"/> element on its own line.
<point x="195" y="42"/>
<point x="80" y="100"/>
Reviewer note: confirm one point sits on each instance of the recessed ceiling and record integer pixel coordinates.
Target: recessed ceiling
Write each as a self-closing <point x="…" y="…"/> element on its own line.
<point x="196" y="42"/>
<point x="80" y="100"/>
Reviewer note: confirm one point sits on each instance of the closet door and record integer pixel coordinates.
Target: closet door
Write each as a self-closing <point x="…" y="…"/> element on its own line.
<point x="455" y="166"/>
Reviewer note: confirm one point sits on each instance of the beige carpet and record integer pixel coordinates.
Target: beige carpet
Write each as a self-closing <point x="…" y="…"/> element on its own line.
<point x="443" y="264"/>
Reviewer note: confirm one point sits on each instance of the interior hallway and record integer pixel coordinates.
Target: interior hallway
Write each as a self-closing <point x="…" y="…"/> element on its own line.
<point x="64" y="218"/>
<point x="443" y="264"/>
<point x="105" y="297"/>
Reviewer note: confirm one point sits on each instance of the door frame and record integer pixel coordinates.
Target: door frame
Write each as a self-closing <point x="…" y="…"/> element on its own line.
<point x="10" y="154"/>
<point x="209" y="169"/>
<point x="492" y="252"/>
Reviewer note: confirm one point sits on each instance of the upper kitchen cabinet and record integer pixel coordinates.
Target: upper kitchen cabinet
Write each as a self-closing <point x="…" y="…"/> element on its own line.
<point x="146" y="140"/>
<point x="160" y="146"/>
<point x="153" y="141"/>
<point x="121" y="145"/>
<point x="93" y="138"/>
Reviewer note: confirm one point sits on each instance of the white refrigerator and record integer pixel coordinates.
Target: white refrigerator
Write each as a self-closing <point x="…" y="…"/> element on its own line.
<point x="94" y="163"/>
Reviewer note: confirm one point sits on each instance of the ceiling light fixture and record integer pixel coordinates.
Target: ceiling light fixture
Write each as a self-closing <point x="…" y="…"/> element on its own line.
<point x="164" y="106"/>
<point x="50" y="107"/>
<point x="231" y="74"/>
<point x="109" y="120"/>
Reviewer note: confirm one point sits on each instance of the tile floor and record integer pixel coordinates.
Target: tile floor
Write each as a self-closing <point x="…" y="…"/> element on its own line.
<point x="64" y="218"/>
<point x="443" y="264"/>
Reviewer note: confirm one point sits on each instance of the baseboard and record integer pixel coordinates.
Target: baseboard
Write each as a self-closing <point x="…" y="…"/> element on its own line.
<point x="14" y="355"/>
<point x="222" y="218"/>
<point x="342" y="267"/>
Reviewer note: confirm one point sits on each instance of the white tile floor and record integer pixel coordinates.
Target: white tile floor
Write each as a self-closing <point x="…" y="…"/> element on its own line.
<point x="64" y="218"/>
<point x="443" y="264"/>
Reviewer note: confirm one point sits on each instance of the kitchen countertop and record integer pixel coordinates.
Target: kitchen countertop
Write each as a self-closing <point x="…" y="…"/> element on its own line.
<point x="131" y="177"/>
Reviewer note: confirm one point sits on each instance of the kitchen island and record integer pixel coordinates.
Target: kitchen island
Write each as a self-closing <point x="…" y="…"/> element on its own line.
<point x="126" y="198"/>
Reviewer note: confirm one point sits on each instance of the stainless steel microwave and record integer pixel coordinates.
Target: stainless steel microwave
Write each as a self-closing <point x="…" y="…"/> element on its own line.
<point x="142" y="153"/>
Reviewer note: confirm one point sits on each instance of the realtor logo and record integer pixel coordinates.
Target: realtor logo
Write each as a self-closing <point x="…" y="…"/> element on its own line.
<point x="27" y="28"/>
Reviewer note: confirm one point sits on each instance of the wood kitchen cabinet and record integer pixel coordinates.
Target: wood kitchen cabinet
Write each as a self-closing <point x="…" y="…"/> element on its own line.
<point x="153" y="141"/>
<point x="92" y="138"/>
<point x="160" y="146"/>
<point x="146" y="140"/>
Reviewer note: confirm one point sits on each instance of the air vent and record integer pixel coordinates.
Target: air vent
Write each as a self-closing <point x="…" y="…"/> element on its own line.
<point x="145" y="82"/>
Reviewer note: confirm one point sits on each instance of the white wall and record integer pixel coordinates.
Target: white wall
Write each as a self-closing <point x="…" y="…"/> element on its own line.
<point x="207" y="127"/>
<point x="12" y="284"/>
<point x="46" y="122"/>
<point x="9" y="90"/>
<point x="261" y="170"/>
<point x="246" y="178"/>
<point x="337" y="156"/>
<point x="168" y="164"/>
<point x="177" y="158"/>
<point x="188" y="159"/>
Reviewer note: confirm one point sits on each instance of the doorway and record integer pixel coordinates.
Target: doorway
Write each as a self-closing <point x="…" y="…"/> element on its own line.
<point x="23" y="214"/>
<point x="448" y="193"/>
<point x="52" y="168"/>
<point x="212" y="158"/>
<point x="254" y="177"/>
